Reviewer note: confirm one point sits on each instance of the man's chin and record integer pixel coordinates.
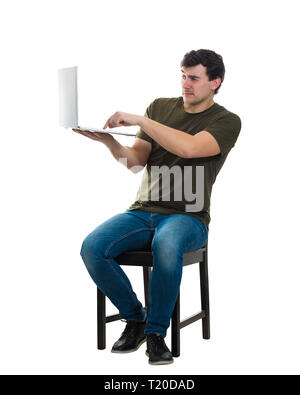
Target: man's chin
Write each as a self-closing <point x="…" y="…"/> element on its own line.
<point x="188" y="99"/>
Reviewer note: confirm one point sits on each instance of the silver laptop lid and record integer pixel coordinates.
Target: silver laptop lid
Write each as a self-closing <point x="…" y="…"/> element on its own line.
<point x="68" y="106"/>
<point x="68" y="103"/>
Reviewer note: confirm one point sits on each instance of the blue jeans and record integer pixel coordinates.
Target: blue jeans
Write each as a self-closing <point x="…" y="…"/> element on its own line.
<point x="168" y="236"/>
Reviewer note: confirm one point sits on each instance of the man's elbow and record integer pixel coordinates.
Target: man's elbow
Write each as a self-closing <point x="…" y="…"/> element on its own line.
<point x="203" y="145"/>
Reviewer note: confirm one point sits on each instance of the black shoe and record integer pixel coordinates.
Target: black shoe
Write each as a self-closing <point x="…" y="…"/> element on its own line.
<point x="132" y="337"/>
<point x="157" y="351"/>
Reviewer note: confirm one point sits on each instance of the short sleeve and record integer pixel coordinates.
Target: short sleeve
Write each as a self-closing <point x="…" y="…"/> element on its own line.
<point x="141" y="134"/>
<point x="226" y="131"/>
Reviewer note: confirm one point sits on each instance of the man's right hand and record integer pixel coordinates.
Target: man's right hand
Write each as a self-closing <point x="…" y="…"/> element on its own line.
<point x="104" y="138"/>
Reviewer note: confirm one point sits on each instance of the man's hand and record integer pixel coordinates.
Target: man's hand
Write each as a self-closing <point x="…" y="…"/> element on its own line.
<point x="122" y="119"/>
<point x="104" y="138"/>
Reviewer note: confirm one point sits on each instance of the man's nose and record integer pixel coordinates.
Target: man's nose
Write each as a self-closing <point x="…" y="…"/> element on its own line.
<point x="186" y="84"/>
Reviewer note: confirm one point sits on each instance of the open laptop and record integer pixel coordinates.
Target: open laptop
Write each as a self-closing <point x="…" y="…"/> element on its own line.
<point x="68" y="103"/>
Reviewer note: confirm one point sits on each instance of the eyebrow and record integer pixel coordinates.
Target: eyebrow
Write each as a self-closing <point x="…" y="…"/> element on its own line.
<point x="190" y="75"/>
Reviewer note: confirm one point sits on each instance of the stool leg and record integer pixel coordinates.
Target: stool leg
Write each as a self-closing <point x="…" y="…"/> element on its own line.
<point x="101" y="320"/>
<point x="175" y="336"/>
<point x="205" y="296"/>
<point x="146" y="275"/>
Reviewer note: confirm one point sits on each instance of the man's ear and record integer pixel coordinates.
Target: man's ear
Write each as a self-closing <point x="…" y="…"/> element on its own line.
<point x="215" y="83"/>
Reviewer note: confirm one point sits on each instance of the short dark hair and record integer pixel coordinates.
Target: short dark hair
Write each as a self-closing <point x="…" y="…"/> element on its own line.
<point x="211" y="60"/>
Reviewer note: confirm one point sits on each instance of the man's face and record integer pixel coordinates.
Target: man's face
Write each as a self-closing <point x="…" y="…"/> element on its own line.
<point x="195" y="84"/>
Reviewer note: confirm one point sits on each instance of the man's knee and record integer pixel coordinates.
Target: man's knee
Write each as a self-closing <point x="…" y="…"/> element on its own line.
<point x="91" y="248"/>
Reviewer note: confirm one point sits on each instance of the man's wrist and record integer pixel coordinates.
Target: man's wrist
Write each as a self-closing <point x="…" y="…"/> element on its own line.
<point x="141" y="121"/>
<point x="112" y="144"/>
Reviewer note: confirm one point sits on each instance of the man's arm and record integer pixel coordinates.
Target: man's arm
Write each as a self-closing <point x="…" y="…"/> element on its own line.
<point x="136" y="156"/>
<point x="182" y="144"/>
<point x="179" y="143"/>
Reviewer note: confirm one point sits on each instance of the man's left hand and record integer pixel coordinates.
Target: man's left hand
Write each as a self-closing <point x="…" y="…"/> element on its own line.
<point x="122" y="119"/>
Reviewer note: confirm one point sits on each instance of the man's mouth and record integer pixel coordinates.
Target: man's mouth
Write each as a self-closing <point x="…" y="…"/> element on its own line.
<point x="187" y="93"/>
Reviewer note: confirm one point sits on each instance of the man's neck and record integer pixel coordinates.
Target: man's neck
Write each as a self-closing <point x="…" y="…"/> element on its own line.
<point x="199" y="107"/>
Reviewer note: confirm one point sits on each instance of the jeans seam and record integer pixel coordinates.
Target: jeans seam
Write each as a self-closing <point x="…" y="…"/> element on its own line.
<point x="202" y="227"/>
<point x="120" y="278"/>
<point x="123" y="237"/>
<point x="204" y="234"/>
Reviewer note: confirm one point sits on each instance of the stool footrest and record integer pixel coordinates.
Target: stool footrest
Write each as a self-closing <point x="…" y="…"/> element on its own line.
<point x="112" y="318"/>
<point x="187" y="321"/>
<point x="192" y="319"/>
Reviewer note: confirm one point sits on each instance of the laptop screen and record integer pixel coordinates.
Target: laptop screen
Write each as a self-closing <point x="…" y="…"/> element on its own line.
<point x="68" y="106"/>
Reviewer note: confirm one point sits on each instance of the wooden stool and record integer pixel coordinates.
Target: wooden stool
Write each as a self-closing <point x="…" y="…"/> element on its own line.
<point x="145" y="259"/>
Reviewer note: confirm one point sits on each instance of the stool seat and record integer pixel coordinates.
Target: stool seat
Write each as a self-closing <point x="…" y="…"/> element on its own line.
<point x="144" y="259"/>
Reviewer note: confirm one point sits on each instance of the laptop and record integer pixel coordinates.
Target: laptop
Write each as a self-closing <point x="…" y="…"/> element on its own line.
<point x="68" y="103"/>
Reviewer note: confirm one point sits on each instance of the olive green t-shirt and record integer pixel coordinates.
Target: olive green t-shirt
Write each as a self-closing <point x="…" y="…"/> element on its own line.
<point x="171" y="184"/>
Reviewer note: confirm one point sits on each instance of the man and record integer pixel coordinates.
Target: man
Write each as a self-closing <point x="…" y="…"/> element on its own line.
<point x="188" y="137"/>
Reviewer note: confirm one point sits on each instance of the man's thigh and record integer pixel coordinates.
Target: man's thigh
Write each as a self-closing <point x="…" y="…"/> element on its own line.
<point x="180" y="231"/>
<point x="120" y="233"/>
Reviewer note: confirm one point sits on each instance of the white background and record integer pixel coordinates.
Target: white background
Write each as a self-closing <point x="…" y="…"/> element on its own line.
<point x="57" y="186"/>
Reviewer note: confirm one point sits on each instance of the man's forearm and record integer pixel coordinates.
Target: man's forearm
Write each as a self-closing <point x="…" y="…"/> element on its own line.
<point x="173" y="140"/>
<point x="120" y="151"/>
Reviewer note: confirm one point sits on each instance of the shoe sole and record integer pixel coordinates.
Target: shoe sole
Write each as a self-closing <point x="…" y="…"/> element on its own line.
<point x="158" y="362"/>
<point x="129" y="351"/>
